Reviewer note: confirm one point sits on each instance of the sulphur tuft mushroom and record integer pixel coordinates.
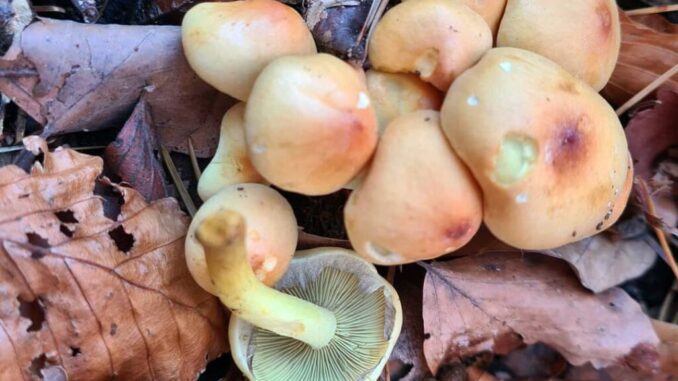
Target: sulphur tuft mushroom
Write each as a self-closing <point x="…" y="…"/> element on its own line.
<point x="309" y="124"/>
<point x="332" y="317"/>
<point x="271" y="231"/>
<point x="583" y="36"/>
<point x="397" y="94"/>
<point x="231" y="163"/>
<point x="228" y="43"/>
<point x="435" y="39"/>
<point x="548" y="152"/>
<point x="418" y="200"/>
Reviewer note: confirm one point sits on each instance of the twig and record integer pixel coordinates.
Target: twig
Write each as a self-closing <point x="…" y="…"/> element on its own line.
<point x="172" y="169"/>
<point x="652" y="10"/>
<point x="17" y="73"/>
<point x="48" y="9"/>
<point x="668" y="302"/>
<point x="647" y="90"/>
<point x="390" y="275"/>
<point x="647" y="199"/>
<point x="20" y="147"/>
<point x="194" y="159"/>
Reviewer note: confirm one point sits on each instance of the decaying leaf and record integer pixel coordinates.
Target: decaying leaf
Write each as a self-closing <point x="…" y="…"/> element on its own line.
<point x="407" y="362"/>
<point x="645" y="55"/>
<point x="484" y="303"/>
<point x="93" y="291"/>
<point x="132" y="155"/>
<point x="79" y="77"/>
<point x="602" y="263"/>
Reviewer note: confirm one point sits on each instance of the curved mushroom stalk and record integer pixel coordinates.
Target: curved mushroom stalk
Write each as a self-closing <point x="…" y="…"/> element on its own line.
<point x="368" y="313"/>
<point x="222" y="236"/>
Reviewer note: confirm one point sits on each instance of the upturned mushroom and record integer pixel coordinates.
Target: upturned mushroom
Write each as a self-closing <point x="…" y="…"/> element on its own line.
<point x="231" y="163"/>
<point x="271" y="231"/>
<point x="309" y="124"/>
<point x="583" y="36"/>
<point x="435" y="39"/>
<point x="396" y="94"/>
<point x="333" y="318"/>
<point x="228" y="43"/>
<point x="548" y="152"/>
<point x="417" y="201"/>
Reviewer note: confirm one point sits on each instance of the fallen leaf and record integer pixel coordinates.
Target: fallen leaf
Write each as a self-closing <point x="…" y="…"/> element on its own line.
<point x="535" y="361"/>
<point x="132" y="155"/>
<point x="80" y="77"/>
<point x="601" y="263"/>
<point x="90" y="292"/>
<point x="668" y="349"/>
<point x="407" y="362"/>
<point x="645" y="55"/>
<point x="476" y="304"/>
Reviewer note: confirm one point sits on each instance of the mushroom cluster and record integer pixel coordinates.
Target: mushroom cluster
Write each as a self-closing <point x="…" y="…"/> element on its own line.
<point x="469" y="112"/>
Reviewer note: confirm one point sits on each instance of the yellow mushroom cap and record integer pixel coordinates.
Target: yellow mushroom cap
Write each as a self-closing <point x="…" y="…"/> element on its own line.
<point x="271" y="236"/>
<point x="309" y="124"/>
<point x="395" y="94"/>
<point x="418" y="200"/>
<point x="548" y="152"/>
<point x="228" y="43"/>
<point x="231" y="163"/>
<point x="583" y="36"/>
<point x="436" y="39"/>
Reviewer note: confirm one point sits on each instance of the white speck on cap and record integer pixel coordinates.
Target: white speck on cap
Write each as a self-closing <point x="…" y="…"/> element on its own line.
<point x="269" y="264"/>
<point x="506" y="66"/>
<point x="363" y="101"/>
<point x="521" y="198"/>
<point x="258" y="148"/>
<point x="472" y="100"/>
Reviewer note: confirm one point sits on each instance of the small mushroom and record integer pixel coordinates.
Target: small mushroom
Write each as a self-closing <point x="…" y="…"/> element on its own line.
<point x="271" y="231"/>
<point x="418" y="200"/>
<point x="333" y="318"/>
<point x="435" y="39"/>
<point x="396" y="94"/>
<point x="583" y="36"/>
<point x="228" y="43"/>
<point x="309" y="124"/>
<point x="548" y="151"/>
<point x="231" y="163"/>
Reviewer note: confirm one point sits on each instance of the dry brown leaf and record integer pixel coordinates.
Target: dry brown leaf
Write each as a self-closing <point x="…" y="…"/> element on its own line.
<point x="668" y="350"/>
<point x="132" y="155"/>
<point x="91" y="293"/>
<point x="645" y="55"/>
<point x="602" y="263"/>
<point x="87" y="77"/>
<point x="407" y="362"/>
<point x="478" y="303"/>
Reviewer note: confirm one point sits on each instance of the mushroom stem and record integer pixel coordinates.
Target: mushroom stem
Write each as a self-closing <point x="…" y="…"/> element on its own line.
<point x="223" y="239"/>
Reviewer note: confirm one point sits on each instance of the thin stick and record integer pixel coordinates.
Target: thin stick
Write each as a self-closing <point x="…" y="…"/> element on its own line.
<point x="647" y="199"/>
<point x="48" y="9"/>
<point x="668" y="301"/>
<point x="172" y="169"/>
<point x="17" y="73"/>
<point x="194" y="159"/>
<point x="652" y="10"/>
<point x="647" y="90"/>
<point x="20" y="147"/>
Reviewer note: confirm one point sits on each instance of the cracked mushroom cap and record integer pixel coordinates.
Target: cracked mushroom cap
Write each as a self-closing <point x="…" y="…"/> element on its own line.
<point x="583" y="36"/>
<point x="418" y="200"/>
<point x="435" y="39"/>
<point x="548" y="152"/>
<point x="228" y="43"/>
<point x="309" y="124"/>
<point x="368" y="322"/>
<point x="230" y="164"/>
<point x="271" y="231"/>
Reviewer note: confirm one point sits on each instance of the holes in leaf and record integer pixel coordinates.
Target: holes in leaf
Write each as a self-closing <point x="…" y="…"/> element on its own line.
<point x="114" y="329"/>
<point x="66" y="231"/>
<point x="112" y="200"/>
<point x="75" y="351"/>
<point x="66" y="216"/>
<point x="33" y="311"/>
<point x="399" y="369"/>
<point x="38" y="364"/>
<point x="123" y="240"/>
<point x="36" y="239"/>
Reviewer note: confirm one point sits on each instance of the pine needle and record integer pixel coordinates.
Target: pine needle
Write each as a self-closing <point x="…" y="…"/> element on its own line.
<point x="194" y="160"/>
<point x="652" y="10"/>
<point x="176" y="179"/>
<point x="647" y="90"/>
